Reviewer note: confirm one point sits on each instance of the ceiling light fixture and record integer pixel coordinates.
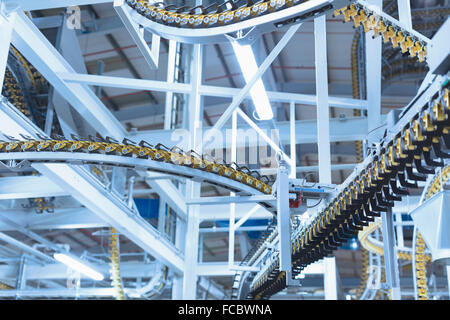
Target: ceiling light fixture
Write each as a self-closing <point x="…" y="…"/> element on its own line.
<point x="247" y="62"/>
<point x="78" y="265"/>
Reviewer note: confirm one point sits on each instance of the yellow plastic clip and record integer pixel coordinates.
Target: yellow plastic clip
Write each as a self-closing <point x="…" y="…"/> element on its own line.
<point x="361" y="17"/>
<point x="407" y="44"/>
<point x="389" y="34"/>
<point x="399" y="38"/>
<point x="422" y="54"/>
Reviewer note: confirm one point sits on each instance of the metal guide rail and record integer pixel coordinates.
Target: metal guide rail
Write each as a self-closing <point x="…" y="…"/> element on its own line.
<point x="212" y="23"/>
<point x="410" y="151"/>
<point x="389" y="28"/>
<point x="107" y="151"/>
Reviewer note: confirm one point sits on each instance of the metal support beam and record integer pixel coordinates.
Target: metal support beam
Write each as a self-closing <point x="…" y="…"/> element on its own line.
<point x="48" y="61"/>
<point x="58" y="271"/>
<point x="38" y="50"/>
<point x="137" y="34"/>
<point x="89" y="192"/>
<point x="330" y="278"/>
<point x="67" y="218"/>
<point x="96" y="27"/>
<point x="69" y="120"/>
<point x="334" y="167"/>
<point x="31" y="234"/>
<point x="284" y="220"/>
<point x="6" y="27"/>
<point x="204" y="90"/>
<point x="162" y="216"/>
<point x="373" y="75"/>
<point x="26" y="248"/>
<point x="232" y="218"/>
<point x="59" y="293"/>
<point x="193" y="188"/>
<point x="211" y="288"/>
<point x="180" y="241"/>
<point x="323" y="112"/>
<point x="29" y="5"/>
<point x="245" y="217"/>
<point x="169" y="193"/>
<point x="23" y="187"/>
<point x="222" y="212"/>
<point x="350" y="129"/>
<point x="171" y="59"/>
<point x="293" y="145"/>
<point x="390" y="255"/>
<point x="448" y="278"/>
<point x="227" y="229"/>
<point x="231" y="199"/>
<point x="263" y="135"/>
<point x="404" y="12"/>
<point x="399" y="229"/>
<point x="266" y="64"/>
<point x="323" y="136"/>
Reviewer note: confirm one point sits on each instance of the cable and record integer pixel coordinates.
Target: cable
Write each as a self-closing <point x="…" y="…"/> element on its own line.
<point x="315" y="204"/>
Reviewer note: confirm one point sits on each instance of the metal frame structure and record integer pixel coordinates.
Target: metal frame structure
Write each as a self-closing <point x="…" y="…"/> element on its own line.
<point x="69" y="178"/>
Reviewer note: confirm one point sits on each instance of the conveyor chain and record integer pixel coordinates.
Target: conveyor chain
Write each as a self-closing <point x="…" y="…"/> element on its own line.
<point x="390" y="32"/>
<point x="13" y="85"/>
<point x="234" y="12"/>
<point x="225" y="13"/>
<point x="116" y="280"/>
<point x="130" y="149"/>
<point x="374" y="187"/>
<point x="13" y="93"/>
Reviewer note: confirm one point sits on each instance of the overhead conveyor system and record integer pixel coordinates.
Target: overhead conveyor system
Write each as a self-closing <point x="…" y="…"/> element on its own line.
<point x="206" y="198"/>
<point x="215" y="22"/>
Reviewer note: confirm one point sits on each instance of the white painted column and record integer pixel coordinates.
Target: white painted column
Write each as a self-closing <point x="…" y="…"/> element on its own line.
<point x="323" y="136"/>
<point x="330" y="278"/>
<point x="399" y="229"/>
<point x="373" y="75"/>
<point x="283" y="221"/>
<point x="323" y="112"/>
<point x="390" y="255"/>
<point x="193" y="188"/>
<point x="404" y="12"/>
<point x="448" y="278"/>
<point x="293" y="173"/>
<point x="170" y="78"/>
<point x="244" y="245"/>
<point x="5" y="36"/>
<point x="231" y="232"/>
<point x="162" y="216"/>
<point x="180" y="241"/>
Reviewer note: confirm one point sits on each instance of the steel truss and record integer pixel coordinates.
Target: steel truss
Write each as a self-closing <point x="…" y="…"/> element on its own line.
<point x="20" y="31"/>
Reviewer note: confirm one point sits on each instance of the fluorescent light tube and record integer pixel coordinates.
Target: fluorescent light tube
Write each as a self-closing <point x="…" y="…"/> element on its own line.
<point x="78" y="265"/>
<point x="247" y="62"/>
